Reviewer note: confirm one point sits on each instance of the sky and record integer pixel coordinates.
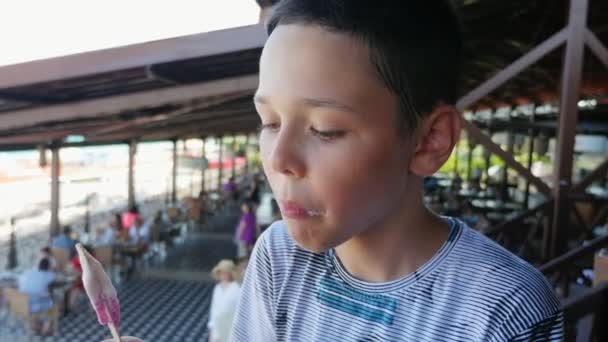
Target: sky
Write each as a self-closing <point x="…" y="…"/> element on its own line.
<point x="35" y="29"/>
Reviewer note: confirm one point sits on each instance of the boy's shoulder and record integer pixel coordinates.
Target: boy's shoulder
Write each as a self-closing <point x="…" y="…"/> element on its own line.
<point x="506" y="280"/>
<point x="490" y="260"/>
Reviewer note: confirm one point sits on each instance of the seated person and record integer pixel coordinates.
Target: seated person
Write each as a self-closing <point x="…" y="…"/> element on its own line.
<point x="129" y="217"/>
<point x="65" y="241"/>
<point x="35" y="283"/>
<point x="139" y="233"/>
<point x="137" y="243"/>
<point x="45" y="253"/>
<point x="110" y="233"/>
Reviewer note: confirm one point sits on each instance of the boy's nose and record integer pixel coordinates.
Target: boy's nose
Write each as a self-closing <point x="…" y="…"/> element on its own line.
<point x="286" y="156"/>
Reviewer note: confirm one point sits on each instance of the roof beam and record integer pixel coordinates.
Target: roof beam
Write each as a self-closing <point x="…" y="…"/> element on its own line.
<point x="133" y="56"/>
<point x="599" y="49"/>
<point x="235" y="124"/>
<point x="44" y="136"/>
<point x="113" y="105"/>
<point x="512" y="70"/>
<point x="166" y="133"/>
<point x="166" y="117"/>
<point x="210" y="121"/>
<point x="10" y="96"/>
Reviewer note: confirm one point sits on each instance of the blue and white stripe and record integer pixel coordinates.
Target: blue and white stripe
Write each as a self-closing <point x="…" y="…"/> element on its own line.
<point x="471" y="290"/>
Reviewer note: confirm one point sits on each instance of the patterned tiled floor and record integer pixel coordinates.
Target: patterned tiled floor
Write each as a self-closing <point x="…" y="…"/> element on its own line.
<point x="155" y="310"/>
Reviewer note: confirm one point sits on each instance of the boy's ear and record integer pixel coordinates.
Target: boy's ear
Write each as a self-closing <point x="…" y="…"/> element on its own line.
<point x="437" y="135"/>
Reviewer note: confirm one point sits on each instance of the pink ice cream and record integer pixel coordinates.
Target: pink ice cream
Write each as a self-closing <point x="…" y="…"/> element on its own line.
<point x="99" y="289"/>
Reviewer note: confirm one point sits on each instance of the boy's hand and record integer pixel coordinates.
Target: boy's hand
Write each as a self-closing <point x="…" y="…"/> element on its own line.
<point x="126" y="339"/>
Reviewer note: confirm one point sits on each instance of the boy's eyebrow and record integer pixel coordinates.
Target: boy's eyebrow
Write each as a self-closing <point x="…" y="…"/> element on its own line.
<point x="313" y="102"/>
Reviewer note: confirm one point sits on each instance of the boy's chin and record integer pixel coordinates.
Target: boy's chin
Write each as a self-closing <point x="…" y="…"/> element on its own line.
<point x="309" y="241"/>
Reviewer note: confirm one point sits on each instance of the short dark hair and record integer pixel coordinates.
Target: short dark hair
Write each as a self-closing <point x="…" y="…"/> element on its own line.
<point x="44" y="264"/>
<point x="67" y="230"/>
<point x="415" y="45"/>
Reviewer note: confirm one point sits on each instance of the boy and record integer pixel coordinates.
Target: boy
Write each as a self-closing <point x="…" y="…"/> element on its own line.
<point x="354" y="102"/>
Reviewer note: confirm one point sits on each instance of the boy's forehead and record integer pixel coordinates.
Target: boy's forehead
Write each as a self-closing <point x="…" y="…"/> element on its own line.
<point x="309" y="62"/>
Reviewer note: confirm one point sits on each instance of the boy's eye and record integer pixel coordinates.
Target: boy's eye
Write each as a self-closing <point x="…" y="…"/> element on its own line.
<point x="327" y="135"/>
<point x="269" y="126"/>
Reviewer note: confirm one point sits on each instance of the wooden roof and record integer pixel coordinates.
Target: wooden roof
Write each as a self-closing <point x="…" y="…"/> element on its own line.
<point x="202" y="84"/>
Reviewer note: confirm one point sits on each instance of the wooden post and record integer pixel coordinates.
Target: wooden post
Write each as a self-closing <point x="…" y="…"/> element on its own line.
<point x="531" y="136"/>
<point x="486" y="161"/>
<point x="234" y="145"/>
<point x="220" y="162"/>
<point x="470" y="160"/>
<point x="12" y="261"/>
<point x="505" y="171"/>
<point x="131" y="180"/>
<point x="174" y="174"/>
<point x="247" y="153"/>
<point x="568" y="118"/>
<point x="203" y="164"/>
<point x="55" y="172"/>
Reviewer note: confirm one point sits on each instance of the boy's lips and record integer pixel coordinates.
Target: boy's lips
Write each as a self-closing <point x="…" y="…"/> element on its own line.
<point x="294" y="210"/>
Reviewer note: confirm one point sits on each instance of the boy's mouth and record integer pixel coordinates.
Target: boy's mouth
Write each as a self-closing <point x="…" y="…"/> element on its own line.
<point x="293" y="210"/>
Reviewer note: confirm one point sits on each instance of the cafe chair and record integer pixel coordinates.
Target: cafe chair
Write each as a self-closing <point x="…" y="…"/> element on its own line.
<point x="18" y="304"/>
<point x="62" y="257"/>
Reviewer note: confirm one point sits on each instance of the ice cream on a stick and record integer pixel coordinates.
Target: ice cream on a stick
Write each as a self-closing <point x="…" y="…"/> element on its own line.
<point x="100" y="291"/>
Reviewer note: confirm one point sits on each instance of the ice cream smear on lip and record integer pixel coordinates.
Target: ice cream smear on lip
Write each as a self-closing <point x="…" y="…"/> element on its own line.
<point x="99" y="289"/>
<point x="313" y="212"/>
<point x="291" y="207"/>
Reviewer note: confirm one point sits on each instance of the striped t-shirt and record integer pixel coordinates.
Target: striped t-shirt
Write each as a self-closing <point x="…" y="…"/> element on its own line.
<point x="470" y="290"/>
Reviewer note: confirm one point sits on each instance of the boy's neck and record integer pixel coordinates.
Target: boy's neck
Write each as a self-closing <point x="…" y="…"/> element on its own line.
<point x="396" y="247"/>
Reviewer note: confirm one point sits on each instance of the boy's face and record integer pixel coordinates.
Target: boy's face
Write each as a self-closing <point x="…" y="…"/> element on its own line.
<point x="330" y="142"/>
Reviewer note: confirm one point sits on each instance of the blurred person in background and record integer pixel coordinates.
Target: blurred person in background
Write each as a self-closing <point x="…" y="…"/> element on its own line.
<point x="45" y="253"/>
<point x="224" y="301"/>
<point x="35" y="284"/>
<point x="110" y="233"/>
<point x="246" y="230"/>
<point x="65" y="240"/>
<point x="129" y="217"/>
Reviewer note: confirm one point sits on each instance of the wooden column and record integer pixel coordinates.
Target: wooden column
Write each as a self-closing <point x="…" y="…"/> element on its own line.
<point x="55" y="172"/>
<point x="174" y="174"/>
<point x="12" y="261"/>
<point x="234" y="145"/>
<point x="531" y="137"/>
<point x="131" y="180"/>
<point x="568" y="118"/>
<point x="487" y="154"/>
<point x="220" y="162"/>
<point x="505" y="171"/>
<point x="470" y="160"/>
<point x="247" y="153"/>
<point x="203" y="163"/>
